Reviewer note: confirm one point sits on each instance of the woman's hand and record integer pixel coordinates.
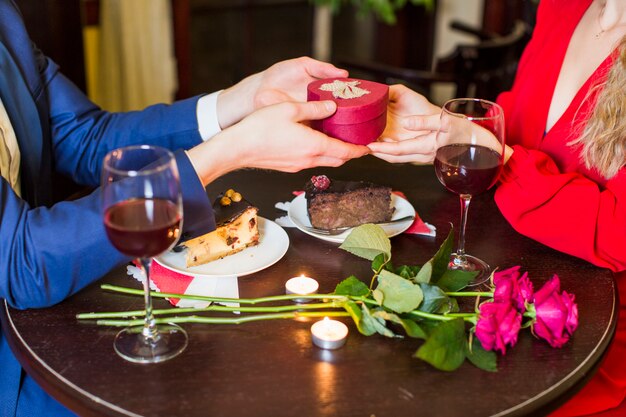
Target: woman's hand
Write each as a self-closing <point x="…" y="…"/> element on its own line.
<point x="274" y="137"/>
<point x="412" y="123"/>
<point x="283" y="81"/>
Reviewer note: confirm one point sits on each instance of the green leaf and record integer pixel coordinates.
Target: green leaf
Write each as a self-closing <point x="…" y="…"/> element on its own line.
<point x="352" y="286"/>
<point x="481" y="358"/>
<point x="411" y="328"/>
<point x="399" y="294"/>
<point x="367" y="241"/>
<point x="378" y="296"/>
<point x="381" y="262"/>
<point x="407" y="271"/>
<point x="357" y="316"/>
<point x="434" y="298"/>
<point x="374" y="324"/>
<point x="442" y="258"/>
<point x="429" y="326"/>
<point x="446" y="346"/>
<point x="455" y="279"/>
<point x="425" y="273"/>
<point x="450" y="306"/>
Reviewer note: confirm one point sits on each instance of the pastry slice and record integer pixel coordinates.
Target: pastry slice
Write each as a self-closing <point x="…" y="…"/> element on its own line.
<point x="335" y="203"/>
<point x="237" y="229"/>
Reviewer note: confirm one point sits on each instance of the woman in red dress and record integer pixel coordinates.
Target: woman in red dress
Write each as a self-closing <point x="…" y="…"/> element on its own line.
<point x="564" y="181"/>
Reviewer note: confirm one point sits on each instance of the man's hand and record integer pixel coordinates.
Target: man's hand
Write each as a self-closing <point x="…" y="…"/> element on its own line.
<point x="284" y="81"/>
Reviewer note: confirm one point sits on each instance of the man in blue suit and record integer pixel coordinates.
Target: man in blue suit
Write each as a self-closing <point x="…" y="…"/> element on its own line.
<point x="48" y="252"/>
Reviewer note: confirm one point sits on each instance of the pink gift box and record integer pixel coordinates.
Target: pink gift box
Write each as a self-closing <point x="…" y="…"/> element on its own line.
<point x="360" y="117"/>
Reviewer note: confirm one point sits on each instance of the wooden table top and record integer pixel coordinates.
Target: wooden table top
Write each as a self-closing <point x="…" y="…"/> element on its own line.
<point x="271" y="368"/>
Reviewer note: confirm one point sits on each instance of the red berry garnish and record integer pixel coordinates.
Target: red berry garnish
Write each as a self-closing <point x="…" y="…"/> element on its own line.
<point x="320" y="182"/>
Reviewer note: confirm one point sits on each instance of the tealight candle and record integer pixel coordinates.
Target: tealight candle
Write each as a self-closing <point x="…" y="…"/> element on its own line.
<point x="301" y="286"/>
<point x="329" y="334"/>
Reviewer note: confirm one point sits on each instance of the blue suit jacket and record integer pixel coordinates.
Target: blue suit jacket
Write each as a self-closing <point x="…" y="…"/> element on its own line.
<point x="49" y="253"/>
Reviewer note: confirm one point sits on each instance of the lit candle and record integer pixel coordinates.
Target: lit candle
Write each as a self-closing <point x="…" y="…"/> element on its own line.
<point x="329" y="334"/>
<point x="301" y="286"/>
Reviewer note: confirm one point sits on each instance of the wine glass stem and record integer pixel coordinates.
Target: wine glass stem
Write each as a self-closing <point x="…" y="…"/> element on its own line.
<point x="149" y="325"/>
<point x="465" y="202"/>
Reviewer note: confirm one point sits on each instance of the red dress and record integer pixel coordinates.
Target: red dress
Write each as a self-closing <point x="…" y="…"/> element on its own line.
<point x="546" y="193"/>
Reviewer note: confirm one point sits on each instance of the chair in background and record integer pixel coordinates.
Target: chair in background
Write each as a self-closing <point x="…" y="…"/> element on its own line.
<point x="480" y="70"/>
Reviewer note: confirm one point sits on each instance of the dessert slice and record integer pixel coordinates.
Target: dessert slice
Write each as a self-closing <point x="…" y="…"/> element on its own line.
<point x="334" y="203"/>
<point x="237" y="228"/>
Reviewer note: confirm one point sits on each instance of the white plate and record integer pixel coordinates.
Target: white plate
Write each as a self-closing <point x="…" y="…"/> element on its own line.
<point x="299" y="216"/>
<point x="273" y="243"/>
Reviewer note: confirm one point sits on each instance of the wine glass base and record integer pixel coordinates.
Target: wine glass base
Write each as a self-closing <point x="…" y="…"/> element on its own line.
<point x="471" y="263"/>
<point x="131" y="344"/>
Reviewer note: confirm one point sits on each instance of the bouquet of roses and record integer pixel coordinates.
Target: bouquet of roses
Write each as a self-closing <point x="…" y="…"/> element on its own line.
<point x="423" y="301"/>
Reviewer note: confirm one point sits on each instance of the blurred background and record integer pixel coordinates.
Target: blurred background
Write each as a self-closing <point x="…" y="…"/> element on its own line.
<point x="127" y="54"/>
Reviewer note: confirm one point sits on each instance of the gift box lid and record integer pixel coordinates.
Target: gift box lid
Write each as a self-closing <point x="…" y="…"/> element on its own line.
<point x="357" y="100"/>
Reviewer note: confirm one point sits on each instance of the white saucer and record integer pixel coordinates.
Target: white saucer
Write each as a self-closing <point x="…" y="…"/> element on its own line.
<point x="273" y="244"/>
<point x="299" y="216"/>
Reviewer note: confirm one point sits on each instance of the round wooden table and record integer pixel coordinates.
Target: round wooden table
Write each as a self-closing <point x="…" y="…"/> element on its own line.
<point x="271" y="368"/>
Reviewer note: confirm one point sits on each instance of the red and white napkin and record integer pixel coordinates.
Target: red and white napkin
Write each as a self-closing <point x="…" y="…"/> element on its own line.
<point x="165" y="280"/>
<point x="419" y="227"/>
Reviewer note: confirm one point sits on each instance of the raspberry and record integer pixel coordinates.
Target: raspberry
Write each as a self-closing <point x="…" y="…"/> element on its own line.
<point x="320" y="182"/>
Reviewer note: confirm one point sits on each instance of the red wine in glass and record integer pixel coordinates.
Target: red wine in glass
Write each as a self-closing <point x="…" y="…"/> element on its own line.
<point x="142" y="227"/>
<point x="467" y="169"/>
<point x="142" y="214"/>
<point x="468" y="160"/>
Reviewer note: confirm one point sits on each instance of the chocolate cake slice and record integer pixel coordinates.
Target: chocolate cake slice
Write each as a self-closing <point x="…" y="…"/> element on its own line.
<point x="335" y="203"/>
<point x="237" y="228"/>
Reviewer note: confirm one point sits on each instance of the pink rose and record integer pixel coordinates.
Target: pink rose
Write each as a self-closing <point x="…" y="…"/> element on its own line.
<point x="498" y="324"/>
<point x="556" y="313"/>
<point x="509" y="286"/>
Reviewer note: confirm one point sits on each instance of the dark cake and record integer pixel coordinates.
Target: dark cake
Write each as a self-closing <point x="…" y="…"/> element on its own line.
<point x="334" y="203"/>
<point x="237" y="228"/>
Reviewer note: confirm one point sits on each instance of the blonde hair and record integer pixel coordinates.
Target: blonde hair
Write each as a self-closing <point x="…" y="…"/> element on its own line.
<point x="603" y="138"/>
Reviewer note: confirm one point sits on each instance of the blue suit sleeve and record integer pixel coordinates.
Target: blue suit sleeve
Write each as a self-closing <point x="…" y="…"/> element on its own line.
<point x="48" y="254"/>
<point x="82" y="133"/>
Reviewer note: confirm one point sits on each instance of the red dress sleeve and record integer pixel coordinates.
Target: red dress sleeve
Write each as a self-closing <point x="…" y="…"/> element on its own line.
<point x="566" y="211"/>
<point x="547" y="194"/>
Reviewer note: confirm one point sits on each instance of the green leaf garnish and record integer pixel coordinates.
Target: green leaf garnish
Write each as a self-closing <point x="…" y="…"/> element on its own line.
<point x="367" y="241"/>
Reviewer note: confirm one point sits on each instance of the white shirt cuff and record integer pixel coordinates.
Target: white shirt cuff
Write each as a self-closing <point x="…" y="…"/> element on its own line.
<point x="206" y="112"/>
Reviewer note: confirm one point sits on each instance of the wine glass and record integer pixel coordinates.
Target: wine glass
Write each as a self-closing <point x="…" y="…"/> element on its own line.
<point x="468" y="161"/>
<point x="142" y="206"/>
